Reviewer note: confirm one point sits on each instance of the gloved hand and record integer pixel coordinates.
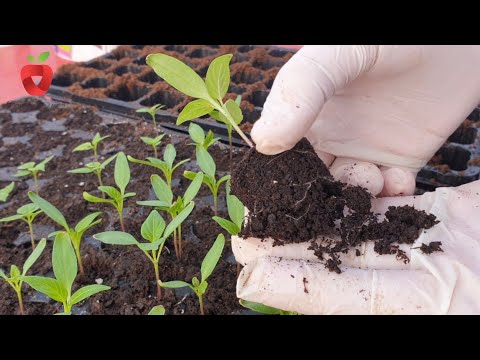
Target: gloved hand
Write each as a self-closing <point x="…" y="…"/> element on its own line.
<point x="290" y="277"/>
<point x="376" y="114"/>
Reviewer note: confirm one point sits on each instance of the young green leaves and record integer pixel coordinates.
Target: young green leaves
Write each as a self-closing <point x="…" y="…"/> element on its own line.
<point x="33" y="169"/>
<point x="6" y="191"/>
<point x="209" y="263"/>
<point x="166" y="165"/>
<point x="26" y="213"/>
<point x="94" y="167"/>
<point x="209" y="94"/>
<point x="76" y="233"/>
<point x="41" y="58"/>
<point x="14" y="280"/>
<point x="236" y="213"/>
<point x="157" y="310"/>
<point x="65" y="271"/>
<point x="92" y="145"/>
<point x="198" y="136"/>
<point x="264" y="309"/>
<point x="116" y="196"/>
<point x="152" y="111"/>
<point x="153" y="142"/>
<point x="154" y="231"/>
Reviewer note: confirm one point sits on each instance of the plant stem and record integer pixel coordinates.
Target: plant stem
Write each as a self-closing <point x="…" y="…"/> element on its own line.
<point x="32" y="238"/>
<point x="157" y="277"/>
<point x="67" y="309"/>
<point x="180" y="240"/>
<point x="215" y="196"/>
<point x="230" y="143"/>
<point x="18" y="290"/>
<point x="35" y="181"/>
<point x="99" y="175"/>
<point x="225" y="113"/>
<point x="120" y="215"/>
<point x="79" y="258"/>
<point x="95" y="155"/>
<point x="154" y="121"/>
<point x="200" y="299"/>
<point x="155" y="151"/>
<point x="175" y="244"/>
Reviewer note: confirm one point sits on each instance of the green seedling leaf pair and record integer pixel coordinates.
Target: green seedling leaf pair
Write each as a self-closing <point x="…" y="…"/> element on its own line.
<point x="94" y="167"/>
<point x="166" y="165"/>
<point x="198" y="136"/>
<point x="154" y="231"/>
<point x="209" y="263"/>
<point x="75" y="234"/>
<point x="264" y="309"/>
<point x="15" y="279"/>
<point x="65" y="271"/>
<point x="153" y="142"/>
<point x="165" y="203"/>
<point x="41" y="58"/>
<point x="26" y="213"/>
<point x="92" y="145"/>
<point x="33" y="169"/>
<point x="236" y="213"/>
<point x="152" y="111"/>
<point x="209" y="93"/>
<point x="6" y="191"/>
<point x="116" y="196"/>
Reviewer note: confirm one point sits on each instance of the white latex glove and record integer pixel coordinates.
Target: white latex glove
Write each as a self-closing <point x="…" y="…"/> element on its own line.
<point x="392" y="106"/>
<point x="290" y="277"/>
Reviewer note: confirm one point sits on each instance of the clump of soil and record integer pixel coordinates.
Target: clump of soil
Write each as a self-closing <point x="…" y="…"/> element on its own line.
<point x="292" y="197"/>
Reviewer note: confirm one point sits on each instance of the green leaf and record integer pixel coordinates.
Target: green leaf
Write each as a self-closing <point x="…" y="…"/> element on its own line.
<point x="161" y="189"/>
<point x="95" y="199"/>
<point x="238" y="99"/>
<point x="85" y="223"/>
<point x="27" y="209"/>
<point x="53" y="234"/>
<point x="12" y="218"/>
<point x="175" y="284"/>
<point x="51" y="211"/>
<point x="84" y="147"/>
<point x="205" y="161"/>
<point x="116" y="238"/>
<point x="202" y="288"/>
<point x="34" y="256"/>
<point x="129" y="194"/>
<point x="143" y="110"/>
<point x="194" y="110"/>
<point x="218" y="76"/>
<point x="6" y="191"/>
<point x="190" y="175"/>
<point x="153" y="226"/>
<point x="231" y="227"/>
<point x="169" y="155"/>
<point x="22" y="173"/>
<point x="236" y="210"/>
<point x="209" y="140"/>
<point x="28" y="165"/>
<point x="122" y="172"/>
<point x="41" y="166"/>
<point x="193" y="188"/>
<point x="222" y="179"/>
<point x="151" y="246"/>
<point x="14" y="271"/>
<point x="64" y="261"/>
<point x="97" y="139"/>
<point x="81" y="171"/>
<point x="178" y="75"/>
<point x="148" y="140"/>
<point x="260" y="308"/>
<point x="31" y="58"/>
<point x="108" y="161"/>
<point x="180" y="163"/>
<point x="234" y="110"/>
<point x="157" y="310"/>
<point x="2" y="275"/>
<point x="43" y="56"/>
<point x="196" y="133"/>
<point x="87" y="291"/>
<point x="48" y="286"/>
<point x="110" y="191"/>
<point x="212" y="257"/>
<point x="195" y="281"/>
<point x="154" y="203"/>
<point x="178" y="220"/>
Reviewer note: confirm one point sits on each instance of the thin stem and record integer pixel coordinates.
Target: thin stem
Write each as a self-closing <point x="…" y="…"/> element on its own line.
<point x="157" y="275"/>
<point x="18" y="290"/>
<point x="215" y="199"/>
<point x="200" y="299"/>
<point x="67" y="309"/>
<point x="155" y="151"/>
<point x="35" y="182"/>
<point x="79" y="257"/>
<point x="225" y="113"/>
<point x="168" y="176"/>
<point x="175" y="244"/>
<point x="180" y="240"/>
<point x="99" y="175"/>
<point x="95" y="155"/>
<point x="230" y="143"/>
<point x="154" y="121"/>
<point x="120" y="215"/>
<point x="32" y="238"/>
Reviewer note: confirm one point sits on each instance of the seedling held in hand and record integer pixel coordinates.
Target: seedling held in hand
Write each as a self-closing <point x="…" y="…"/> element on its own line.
<point x="152" y="111"/>
<point x="264" y="309"/>
<point x="209" y="93"/>
<point x="33" y="169"/>
<point x="65" y="271"/>
<point x="153" y="230"/>
<point x="236" y="213"/>
<point x="165" y="202"/>
<point x="15" y="280"/>
<point x="26" y="213"/>
<point x="94" y="167"/>
<point x="92" y="145"/>
<point x="208" y="265"/>
<point x="207" y="165"/>
<point x="116" y="196"/>
<point x="76" y="233"/>
<point x="166" y="165"/>
<point x="157" y="310"/>
<point x="6" y="191"/>
<point x="198" y="136"/>
<point x="153" y="142"/>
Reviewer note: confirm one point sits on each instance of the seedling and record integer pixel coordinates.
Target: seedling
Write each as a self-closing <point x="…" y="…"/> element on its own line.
<point x="236" y="213"/>
<point x="153" y="142"/>
<point x="208" y="265"/>
<point x="152" y="111"/>
<point x="94" y="167"/>
<point x="166" y="165"/>
<point x="153" y="230"/>
<point x="26" y="213"/>
<point x="65" y="271"/>
<point x="209" y="93"/>
<point x="6" y="191"/>
<point x="33" y="169"/>
<point x="76" y="233"/>
<point x="92" y="145"/>
<point x="264" y="309"/>
<point x="207" y="165"/>
<point x="157" y="310"/>
<point x="165" y="202"/>
<point x="15" y="280"/>
<point x="198" y="136"/>
<point x="116" y="196"/>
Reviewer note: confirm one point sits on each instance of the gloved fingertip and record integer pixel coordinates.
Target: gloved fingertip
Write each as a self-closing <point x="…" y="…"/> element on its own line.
<point x="358" y="173"/>
<point x="267" y="139"/>
<point x="397" y="182"/>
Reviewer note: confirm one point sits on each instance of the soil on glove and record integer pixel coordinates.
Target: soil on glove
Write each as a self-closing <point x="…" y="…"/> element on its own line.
<point x="292" y="197"/>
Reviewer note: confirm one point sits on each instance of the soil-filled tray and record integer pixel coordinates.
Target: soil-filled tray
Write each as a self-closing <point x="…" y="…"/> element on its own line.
<point x="31" y="130"/>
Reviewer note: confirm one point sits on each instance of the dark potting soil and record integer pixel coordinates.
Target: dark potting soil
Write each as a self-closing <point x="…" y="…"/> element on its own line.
<point x="292" y="197"/>
<point x="56" y="129"/>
